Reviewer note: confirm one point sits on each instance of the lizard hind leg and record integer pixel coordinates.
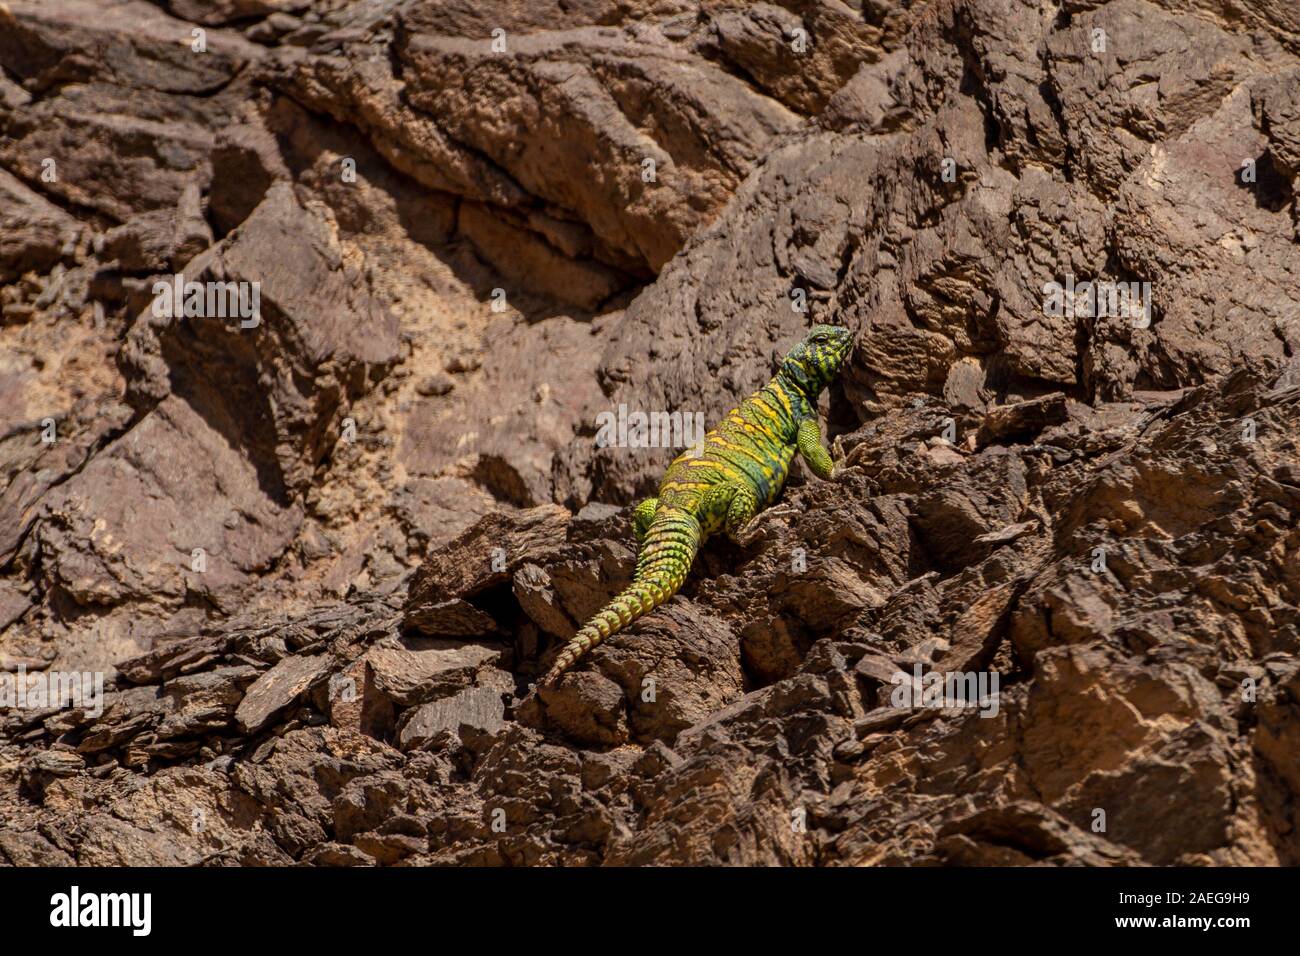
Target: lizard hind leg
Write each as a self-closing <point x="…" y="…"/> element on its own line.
<point x="642" y="515"/>
<point x="715" y="505"/>
<point x="743" y="507"/>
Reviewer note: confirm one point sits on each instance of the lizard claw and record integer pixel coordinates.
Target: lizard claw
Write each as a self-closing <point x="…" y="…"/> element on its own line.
<point x="840" y="459"/>
<point x="751" y="531"/>
<point x="855" y="455"/>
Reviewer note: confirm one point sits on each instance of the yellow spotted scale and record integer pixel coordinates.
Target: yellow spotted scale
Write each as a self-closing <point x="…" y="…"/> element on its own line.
<point x="740" y="469"/>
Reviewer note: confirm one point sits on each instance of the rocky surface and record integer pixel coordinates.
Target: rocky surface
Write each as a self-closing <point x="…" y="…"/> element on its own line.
<point x="319" y="557"/>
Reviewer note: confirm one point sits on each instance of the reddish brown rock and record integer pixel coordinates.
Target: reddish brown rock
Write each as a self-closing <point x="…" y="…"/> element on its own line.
<point x="404" y="510"/>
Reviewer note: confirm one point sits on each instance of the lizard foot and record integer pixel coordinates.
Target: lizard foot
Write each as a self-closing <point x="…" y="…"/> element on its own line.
<point x="756" y="526"/>
<point x="845" y="460"/>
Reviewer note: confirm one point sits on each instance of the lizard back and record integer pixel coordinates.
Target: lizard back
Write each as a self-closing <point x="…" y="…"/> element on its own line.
<point x="754" y="443"/>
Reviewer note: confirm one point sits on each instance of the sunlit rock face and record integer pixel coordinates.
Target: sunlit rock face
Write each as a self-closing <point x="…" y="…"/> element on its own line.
<point x="311" y="316"/>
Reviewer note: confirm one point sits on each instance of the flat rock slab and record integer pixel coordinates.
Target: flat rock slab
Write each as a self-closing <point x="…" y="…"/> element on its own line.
<point x="1022" y="419"/>
<point x="454" y="618"/>
<point x="277" y="688"/>
<point x="170" y="659"/>
<point x="127" y="525"/>
<point x="14" y="603"/>
<point x="487" y="555"/>
<point x="413" y="670"/>
<point x="478" y="707"/>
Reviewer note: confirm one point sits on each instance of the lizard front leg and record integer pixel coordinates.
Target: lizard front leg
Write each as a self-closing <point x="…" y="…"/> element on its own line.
<point x="809" y="440"/>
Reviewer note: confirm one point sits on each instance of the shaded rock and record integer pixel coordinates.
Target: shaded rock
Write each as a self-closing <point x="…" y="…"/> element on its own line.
<point x="41" y="467"/>
<point x="204" y="702"/>
<point x="454" y="618"/>
<point x="246" y="161"/>
<point x="36" y="232"/>
<point x="532" y="589"/>
<point x="127" y="714"/>
<point x="616" y="99"/>
<point x="135" y="141"/>
<point x="173" y="657"/>
<point x="338" y="854"/>
<point x="285" y="412"/>
<point x="31" y="849"/>
<point x="357" y="704"/>
<point x="14" y="603"/>
<point x="1021" y="835"/>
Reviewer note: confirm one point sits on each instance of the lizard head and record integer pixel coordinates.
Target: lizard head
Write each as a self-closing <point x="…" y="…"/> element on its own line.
<point x="815" y="361"/>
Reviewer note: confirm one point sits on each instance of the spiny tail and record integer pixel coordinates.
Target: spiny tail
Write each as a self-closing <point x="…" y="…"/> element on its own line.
<point x="666" y="555"/>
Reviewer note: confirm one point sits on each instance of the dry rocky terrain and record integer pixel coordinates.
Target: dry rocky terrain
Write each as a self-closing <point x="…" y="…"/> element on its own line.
<point x="319" y="558"/>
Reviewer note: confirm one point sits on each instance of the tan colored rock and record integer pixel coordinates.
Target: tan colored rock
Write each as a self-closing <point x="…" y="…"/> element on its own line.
<point x="412" y="670"/>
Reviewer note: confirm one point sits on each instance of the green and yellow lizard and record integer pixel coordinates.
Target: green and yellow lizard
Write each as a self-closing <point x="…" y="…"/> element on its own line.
<point x="740" y="469"/>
